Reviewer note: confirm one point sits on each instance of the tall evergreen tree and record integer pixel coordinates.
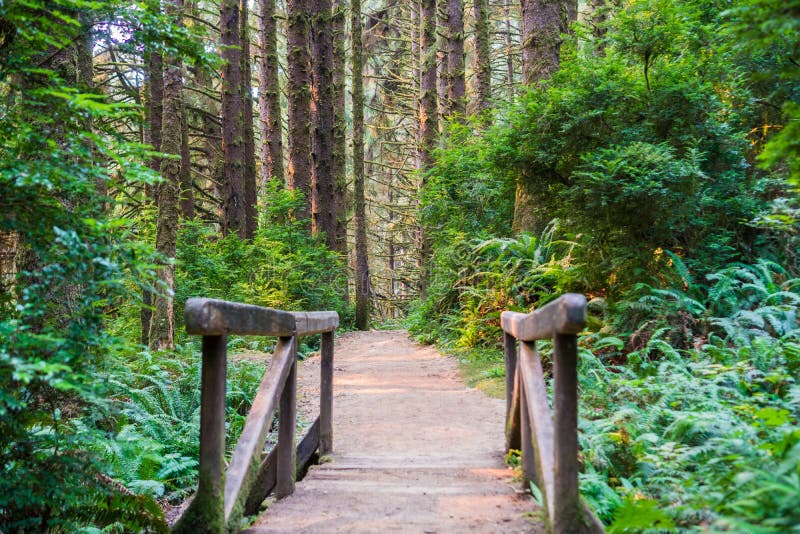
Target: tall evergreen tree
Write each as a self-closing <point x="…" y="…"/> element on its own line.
<point x="299" y="97"/>
<point x="249" y="171"/>
<point x="233" y="122"/>
<point x="162" y="323"/>
<point x="482" y="58"/>
<point x="543" y="23"/>
<point x="323" y="195"/>
<point x="269" y="95"/>
<point x="456" y="83"/>
<point x="362" y="263"/>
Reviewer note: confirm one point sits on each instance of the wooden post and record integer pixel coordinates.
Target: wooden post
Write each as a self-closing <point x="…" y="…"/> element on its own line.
<point x="206" y="512"/>
<point x="568" y="510"/>
<point x="326" y="395"/>
<point x="287" y="417"/>
<point x="528" y="456"/>
<point x="512" y="394"/>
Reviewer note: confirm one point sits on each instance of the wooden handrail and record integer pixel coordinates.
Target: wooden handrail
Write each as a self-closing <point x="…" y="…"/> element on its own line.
<point x="548" y="441"/>
<point x="223" y="496"/>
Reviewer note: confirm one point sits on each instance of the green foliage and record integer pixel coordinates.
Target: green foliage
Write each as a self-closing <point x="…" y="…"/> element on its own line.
<point x="474" y="281"/>
<point x="151" y="445"/>
<point x="637" y="148"/>
<point x="281" y="267"/>
<point x="74" y="262"/>
<point x="703" y="431"/>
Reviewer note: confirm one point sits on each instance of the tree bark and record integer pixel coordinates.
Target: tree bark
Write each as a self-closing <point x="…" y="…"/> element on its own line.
<point x="155" y="107"/>
<point x="340" y="126"/>
<point x="186" y="185"/>
<point x="508" y="43"/>
<point x="427" y="115"/>
<point x="233" y="124"/>
<point x="456" y="84"/>
<point x="442" y="58"/>
<point x="362" y="263"/>
<point x="543" y="23"/>
<point x="482" y="59"/>
<point x="323" y="196"/>
<point x="428" y="123"/>
<point x="299" y="97"/>
<point x="269" y="96"/>
<point x="250" y="195"/>
<point x="162" y="324"/>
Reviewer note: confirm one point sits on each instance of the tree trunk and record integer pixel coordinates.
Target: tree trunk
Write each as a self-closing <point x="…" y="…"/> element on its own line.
<point x="340" y="126"/>
<point x="155" y="107"/>
<point x="456" y="85"/>
<point x="162" y="325"/>
<point x="543" y="22"/>
<point x="482" y="59"/>
<point x="233" y="150"/>
<point x="269" y="96"/>
<point x="323" y="195"/>
<point x="250" y="195"/>
<point x="299" y="98"/>
<point x="442" y="67"/>
<point x="509" y="47"/>
<point x="427" y="114"/>
<point x="186" y="186"/>
<point x="362" y="265"/>
<point x="428" y="124"/>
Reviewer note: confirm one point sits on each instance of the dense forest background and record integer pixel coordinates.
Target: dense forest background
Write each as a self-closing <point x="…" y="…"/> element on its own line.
<point x="425" y="164"/>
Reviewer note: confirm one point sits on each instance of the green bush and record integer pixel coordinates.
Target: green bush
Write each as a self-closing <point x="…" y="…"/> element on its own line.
<point x="281" y="267"/>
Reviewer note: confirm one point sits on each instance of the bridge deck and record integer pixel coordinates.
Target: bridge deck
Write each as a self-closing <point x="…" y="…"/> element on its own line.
<point x="415" y="450"/>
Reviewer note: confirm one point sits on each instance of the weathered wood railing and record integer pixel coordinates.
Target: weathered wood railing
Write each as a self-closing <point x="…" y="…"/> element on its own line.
<point x="549" y="443"/>
<point x="224" y="496"/>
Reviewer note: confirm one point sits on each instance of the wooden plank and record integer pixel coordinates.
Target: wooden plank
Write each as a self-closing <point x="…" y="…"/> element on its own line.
<point x="246" y="456"/>
<point x="530" y="368"/>
<point x="529" y="463"/>
<point x="205" y="512"/>
<point x="326" y="394"/>
<point x="265" y="481"/>
<point x="565" y="315"/>
<point x="512" y="393"/>
<point x="568" y="511"/>
<point x="307" y="446"/>
<point x="287" y="419"/>
<point x="315" y="322"/>
<point x="211" y="317"/>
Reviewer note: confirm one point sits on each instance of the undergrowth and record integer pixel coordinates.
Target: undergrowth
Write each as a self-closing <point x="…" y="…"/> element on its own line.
<point x="688" y="391"/>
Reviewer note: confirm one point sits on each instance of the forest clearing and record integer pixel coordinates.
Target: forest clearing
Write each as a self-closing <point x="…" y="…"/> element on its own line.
<point x="244" y="242"/>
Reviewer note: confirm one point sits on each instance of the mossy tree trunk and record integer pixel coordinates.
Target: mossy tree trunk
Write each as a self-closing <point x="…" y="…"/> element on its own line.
<point x="162" y="324"/>
<point x="456" y="83"/>
<point x="299" y="97"/>
<point x="362" y="263"/>
<point x="428" y="118"/>
<point x="249" y="174"/>
<point x="482" y="58"/>
<point x="155" y="106"/>
<point x="543" y="23"/>
<point x="233" y="123"/>
<point x="323" y="195"/>
<point x="340" y="125"/>
<point x="269" y="95"/>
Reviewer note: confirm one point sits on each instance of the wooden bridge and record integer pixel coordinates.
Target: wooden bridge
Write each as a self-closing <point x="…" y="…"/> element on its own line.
<point x="416" y="451"/>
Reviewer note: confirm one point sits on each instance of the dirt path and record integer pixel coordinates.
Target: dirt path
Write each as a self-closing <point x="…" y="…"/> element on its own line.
<point x="415" y="450"/>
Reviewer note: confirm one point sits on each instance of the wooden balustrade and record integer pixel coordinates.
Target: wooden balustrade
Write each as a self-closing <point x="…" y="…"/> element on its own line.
<point x="548" y="442"/>
<point x="224" y="496"/>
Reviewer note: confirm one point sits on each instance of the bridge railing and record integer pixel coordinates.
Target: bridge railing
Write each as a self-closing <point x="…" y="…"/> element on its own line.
<point x="548" y="441"/>
<point x="223" y="495"/>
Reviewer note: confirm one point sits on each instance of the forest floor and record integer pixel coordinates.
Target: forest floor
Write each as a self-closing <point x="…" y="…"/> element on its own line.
<point x="415" y="450"/>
